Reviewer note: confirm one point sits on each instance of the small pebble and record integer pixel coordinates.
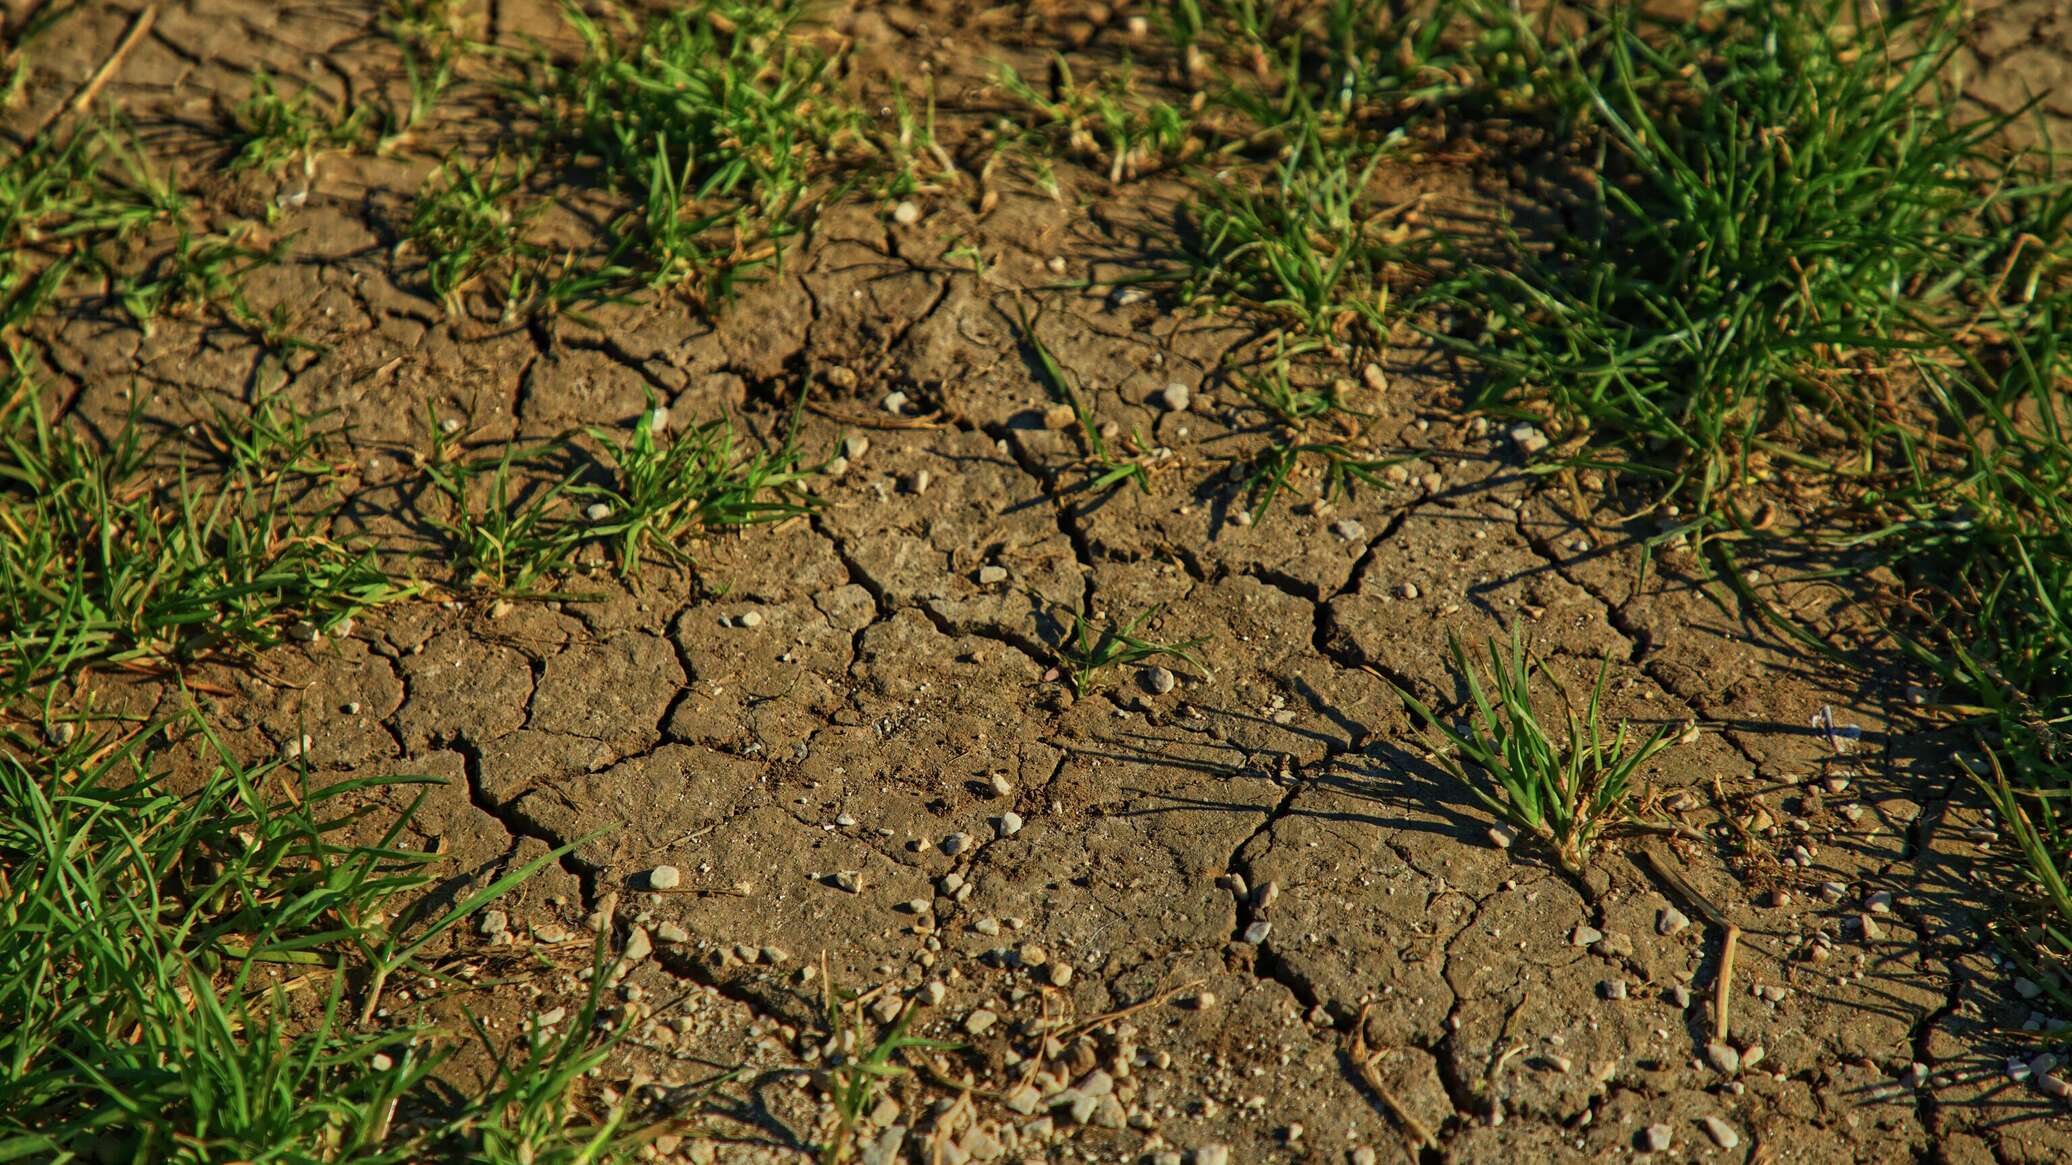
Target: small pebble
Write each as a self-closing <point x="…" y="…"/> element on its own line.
<point x="749" y="619"/>
<point x="1010" y="824"/>
<point x="849" y="880"/>
<point x="1157" y="680"/>
<point x="1348" y="530"/>
<point x="664" y="878"/>
<point x="1174" y="397"/>
<point x="1257" y="932"/>
<point x="296" y="748"/>
<point x="1671" y="921"/>
<point x="956" y="843"/>
<point x="1060" y="974"/>
<point x="1502" y="836"/>
<point x="1212" y="1155"/>
<point x="1724" y="1058"/>
<point x="672" y="933"/>
<point x="597" y="511"/>
<point x="352" y="708"/>
<point x="1656" y="1138"/>
<point x="894" y="403"/>
<point x="1721" y="1132"/>
<point x="1880" y="902"/>
<point x="1002" y="787"/>
<point x="988" y="575"/>
<point x="1375" y="378"/>
<point x="1059" y="417"/>
<point x="916" y="483"/>
<point x="1613" y="988"/>
<point x="1408" y="591"/>
<point x="1528" y="440"/>
<point x="1584" y="936"/>
<point x="906" y="214"/>
<point x="493" y="923"/>
<point x="980" y="1022"/>
<point x="638" y="945"/>
<point x="855" y="446"/>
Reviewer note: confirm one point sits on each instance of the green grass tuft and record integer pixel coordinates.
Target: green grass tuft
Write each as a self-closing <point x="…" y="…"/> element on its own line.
<point x="1565" y="790"/>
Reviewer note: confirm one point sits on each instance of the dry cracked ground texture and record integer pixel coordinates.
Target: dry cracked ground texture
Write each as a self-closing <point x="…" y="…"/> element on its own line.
<point x="1331" y="951"/>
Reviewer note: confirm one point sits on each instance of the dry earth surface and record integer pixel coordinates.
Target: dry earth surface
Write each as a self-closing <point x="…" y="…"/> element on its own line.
<point x="1244" y="913"/>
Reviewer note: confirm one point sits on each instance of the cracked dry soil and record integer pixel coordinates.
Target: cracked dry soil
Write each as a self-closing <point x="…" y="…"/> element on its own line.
<point x="1247" y="913"/>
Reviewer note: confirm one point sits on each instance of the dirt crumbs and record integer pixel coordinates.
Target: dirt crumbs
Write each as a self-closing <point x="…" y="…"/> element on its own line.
<point x="1031" y="791"/>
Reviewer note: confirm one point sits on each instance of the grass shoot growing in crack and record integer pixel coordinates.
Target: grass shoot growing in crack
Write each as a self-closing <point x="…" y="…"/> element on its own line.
<point x="508" y="531"/>
<point x="1565" y="791"/>
<point x="1086" y="652"/>
<point x="1107" y="470"/>
<point x="867" y="1065"/>
<point x="1295" y="412"/>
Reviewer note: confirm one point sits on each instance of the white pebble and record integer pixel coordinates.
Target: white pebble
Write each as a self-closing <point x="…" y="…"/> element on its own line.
<point x="664" y="878"/>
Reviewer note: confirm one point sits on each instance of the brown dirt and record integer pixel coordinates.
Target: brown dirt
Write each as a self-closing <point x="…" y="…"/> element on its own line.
<point x="886" y="684"/>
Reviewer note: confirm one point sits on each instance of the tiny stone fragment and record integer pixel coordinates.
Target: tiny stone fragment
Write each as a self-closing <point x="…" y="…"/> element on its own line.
<point x="988" y="575"/>
<point x="1348" y="530"/>
<point x="1671" y="921"/>
<point x="670" y="932"/>
<point x="638" y="945"/>
<point x="1257" y="932"/>
<point x="1528" y="440"/>
<point x="1721" y="1132"/>
<point x="1058" y="417"/>
<point x="494" y="922"/>
<point x="980" y="1022"/>
<point x="1724" y="1058"/>
<point x="905" y="213"/>
<point x="1157" y="680"/>
<point x="1584" y="936"/>
<point x="1174" y="397"/>
<point x="1010" y="823"/>
<point x="1656" y="1138"/>
<point x="1502" y="836"/>
<point x="664" y="878"/>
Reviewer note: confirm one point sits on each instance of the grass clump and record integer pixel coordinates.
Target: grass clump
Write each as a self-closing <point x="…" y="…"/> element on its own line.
<point x="270" y="129"/>
<point x="513" y="525"/>
<point x="1087" y="652"/>
<point x="1788" y="197"/>
<point x="175" y="963"/>
<point x="713" y="121"/>
<point x="866" y="1066"/>
<point x="1564" y="789"/>
<point x="114" y="555"/>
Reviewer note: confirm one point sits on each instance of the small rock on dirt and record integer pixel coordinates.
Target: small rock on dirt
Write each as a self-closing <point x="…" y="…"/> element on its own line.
<point x="1721" y="1132"/>
<point x="1059" y="417"/>
<point x="1656" y="1138"/>
<point x="1348" y="530"/>
<point x="980" y="1022"/>
<point x="493" y="923"/>
<point x="1212" y="1155"/>
<point x="1257" y="932"/>
<point x="1174" y="397"/>
<point x="664" y="878"/>
<point x="638" y="945"/>
<point x="1528" y="440"/>
<point x="988" y="575"/>
<point x="906" y="213"/>
<point x="1671" y="921"/>
<point x="1584" y="936"/>
<point x="1010" y="824"/>
<point x="1157" y="680"/>
<point x="1502" y="836"/>
<point x="672" y="933"/>
<point x="1724" y="1058"/>
<point x="749" y="619"/>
